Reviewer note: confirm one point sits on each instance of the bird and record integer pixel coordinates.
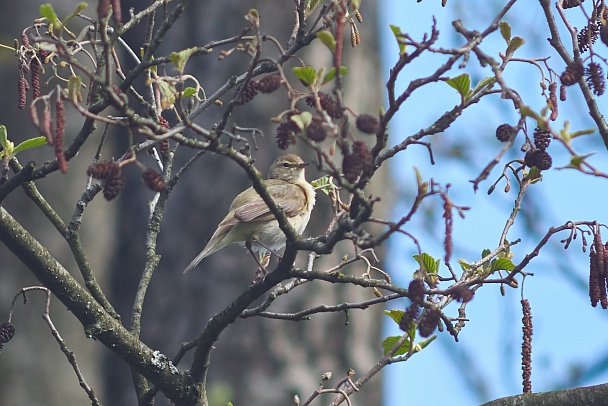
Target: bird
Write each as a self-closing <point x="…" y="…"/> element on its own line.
<point x="249" y="221"/>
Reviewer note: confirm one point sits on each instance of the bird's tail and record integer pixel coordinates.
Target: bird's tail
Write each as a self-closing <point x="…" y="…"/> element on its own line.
<point x="196" y="260"/>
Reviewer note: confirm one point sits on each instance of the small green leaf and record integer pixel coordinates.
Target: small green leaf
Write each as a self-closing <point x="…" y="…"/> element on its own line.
<point x="425" y="343"/>
<point x="389" y="342"/>
<point x="528" y="112"/>
<point x="485" y="253"/>
<point x="167" y="94"/>
<point x="180" y="58"/>
<point x="79" y="8"/>
<point x="514" y="45"/>
<point x="398" y="36"/>
<point x="46" y="11"/>
<point x="311" y="5"/>
<point x="463" y="264"/>
<point x="578" y="133"/>
<point x="483" y="83"/>
<point x="427" y="263"/>
<point x="395" y="315"/>
<point x="505" y="30"/>
<point x="576" y="161"/>
<point x="331" y="74"/>
<point x="302" y="120"/>
<point x="74" y="85"/>
<point x="306" y="74"/>
<point x="462" y="84"/>
<point x="502" y="264"/>
<point x="323" y="184"/>
<point x="29" y="144"/>
<point x="327" y="38"/>
<point x="189" y="91"/>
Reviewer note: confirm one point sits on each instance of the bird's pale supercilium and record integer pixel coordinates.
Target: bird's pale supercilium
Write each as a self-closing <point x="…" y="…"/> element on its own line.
<point x="249" y="221"/>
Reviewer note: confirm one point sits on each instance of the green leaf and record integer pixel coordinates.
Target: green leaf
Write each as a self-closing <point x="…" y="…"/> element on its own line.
<point x="398" y="35"/>
<point x="483" y="83"/>
<point x="306" y="74"/>
<point x="311" y="5"/>
<point x="74" y="85"/>
<point x="302" y="120"/>
<point x="425" y="343"/>
<point x="327" y="38"/>
<point x="502" y="264"/>
<point x="46" y="11"/>
<point x="427" y="263"/>
<point x="389" y="342"/>
<point x="180" y="58"/>
<point x="505" y="30"/>
<point x="189" y="91"/>
<point x="578" y="133"/>
<point x="323" y="184"/>
<point x="79" y="8"/>
<point x="462" y="84"/>
<point x="463" y="264"/>
<point x="576" y="161"/>
<point x="514" y="45"/>
<point x="395" y="315"/>
<point x="167" y="94"/>
<point x="331" y="74"/>
<point x="29" y="144"/>
<point x="528" y="112"/>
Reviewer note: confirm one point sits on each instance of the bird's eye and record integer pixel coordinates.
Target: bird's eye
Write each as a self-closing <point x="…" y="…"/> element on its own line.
<point x="286" y="165"/>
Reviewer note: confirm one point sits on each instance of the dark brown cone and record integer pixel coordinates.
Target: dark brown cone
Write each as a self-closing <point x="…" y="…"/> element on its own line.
<point x="286" y="134"/>
<point x="416" y="290"/>
<point x="248" y="93"/>
<point x="571" y="3"/>
<point x="428" y="323"/>
<point x="574" y="71"/>
<point x="104" y="170"/>
<point x="595" y="78"/>
<point x="539" y="158"/>
<point x="316" y="131"/>
<point x="542" y="138"/>
<point x="588" y="35"/>
<point x="464" y="294"/>
<point x="409" y="316"/>
<point x="367" y="123"/>
<point x="327" y="103"/>
<point x="504" y="132"/>
<point x="269" y="83"/>
<point x="7" y="332"/>
<point x="113" y="187"/>
<point x="154" y="180"/>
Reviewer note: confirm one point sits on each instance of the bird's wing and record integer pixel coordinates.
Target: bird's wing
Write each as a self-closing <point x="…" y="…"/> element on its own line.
<point x="289" y="197"/>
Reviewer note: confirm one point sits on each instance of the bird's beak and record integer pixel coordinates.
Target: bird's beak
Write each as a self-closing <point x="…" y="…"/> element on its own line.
<point x="303" y="164"/>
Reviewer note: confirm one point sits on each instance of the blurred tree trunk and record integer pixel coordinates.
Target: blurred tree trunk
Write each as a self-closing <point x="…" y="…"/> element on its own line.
<point x="257" y="361"/>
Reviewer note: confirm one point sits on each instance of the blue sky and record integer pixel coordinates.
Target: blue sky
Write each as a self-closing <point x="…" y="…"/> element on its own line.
<point x="568" y="332"/>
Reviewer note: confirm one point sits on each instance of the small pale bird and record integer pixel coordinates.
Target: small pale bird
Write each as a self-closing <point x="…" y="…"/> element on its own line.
<point x="249" y="221"/>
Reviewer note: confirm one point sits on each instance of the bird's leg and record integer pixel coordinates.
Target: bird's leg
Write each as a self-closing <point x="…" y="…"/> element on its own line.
<point x="262" y="268"/>
<point x="276" y="254"/>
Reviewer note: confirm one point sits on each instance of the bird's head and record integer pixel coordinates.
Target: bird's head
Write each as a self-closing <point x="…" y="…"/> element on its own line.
<point x="289" y="168"/>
